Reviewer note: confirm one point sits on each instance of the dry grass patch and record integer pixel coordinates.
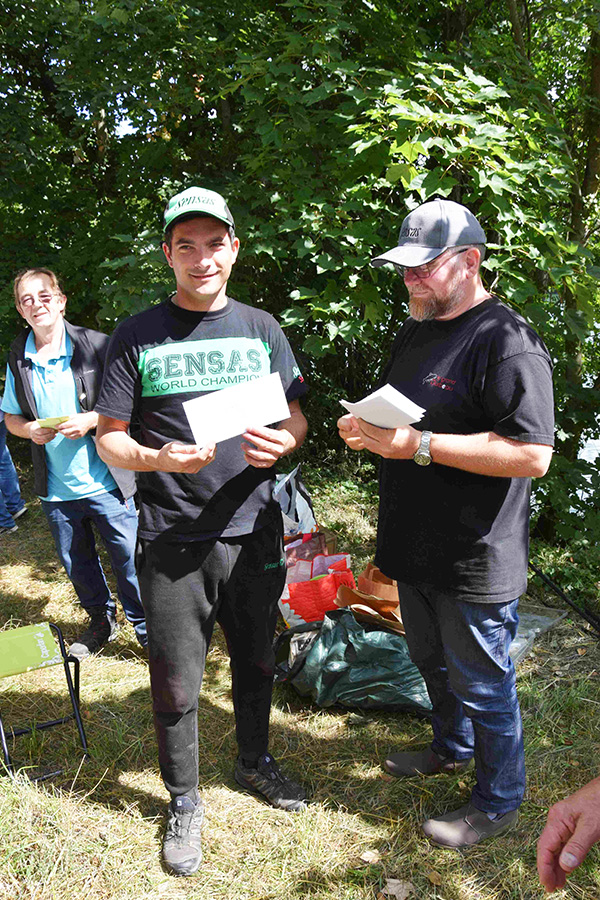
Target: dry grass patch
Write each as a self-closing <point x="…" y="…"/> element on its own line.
<point x="95" y="831"/>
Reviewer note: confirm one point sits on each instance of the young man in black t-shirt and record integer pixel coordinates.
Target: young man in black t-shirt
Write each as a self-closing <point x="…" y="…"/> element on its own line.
<point x="454" y="507"/>
<point x="210" y="534"/>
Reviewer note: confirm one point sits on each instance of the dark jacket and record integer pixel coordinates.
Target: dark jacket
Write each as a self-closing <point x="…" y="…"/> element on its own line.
<point x="87" y="365"/>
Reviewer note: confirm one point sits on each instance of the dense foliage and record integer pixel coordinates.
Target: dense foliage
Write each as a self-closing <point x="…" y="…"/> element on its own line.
<point x="323" y="122"/>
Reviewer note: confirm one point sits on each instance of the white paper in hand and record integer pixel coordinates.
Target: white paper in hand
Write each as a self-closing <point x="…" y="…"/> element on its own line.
<point x="386" y="408"/>
<point x="224" y="414"/>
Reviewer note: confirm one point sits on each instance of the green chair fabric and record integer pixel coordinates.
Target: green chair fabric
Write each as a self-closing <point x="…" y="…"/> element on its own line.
<point x="34" y="647"/>
<point x="27" y="648"/>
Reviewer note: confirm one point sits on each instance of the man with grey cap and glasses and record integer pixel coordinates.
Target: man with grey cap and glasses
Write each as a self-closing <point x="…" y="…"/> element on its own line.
<point x="210" y="533"/>
<point x="454" y="507"/>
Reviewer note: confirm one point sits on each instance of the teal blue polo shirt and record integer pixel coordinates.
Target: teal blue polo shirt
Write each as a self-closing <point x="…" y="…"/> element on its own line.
<point x="74" y="468"/>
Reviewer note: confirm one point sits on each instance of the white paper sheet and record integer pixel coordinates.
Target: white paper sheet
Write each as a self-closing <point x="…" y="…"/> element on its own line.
<point x="386" y="408"/>
<point x="224" y="414"/>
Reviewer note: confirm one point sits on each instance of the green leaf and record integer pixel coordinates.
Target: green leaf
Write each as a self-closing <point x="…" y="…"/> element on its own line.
<point x="319" y="93"/>
<point x="437" y="184"/>
<point x="411" y="150"/>
<point x="294" y="316"/>
<point x="120" y="15"/>
<point x="326" y="263"/>
<point x="317" y="346"/>
<point x="401" y="171"/>
<point x="577" y="323"/>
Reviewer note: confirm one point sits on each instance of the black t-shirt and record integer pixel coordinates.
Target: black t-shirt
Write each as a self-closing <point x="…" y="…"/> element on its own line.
<point x="486" y="370"/>
<point x="165" y="355"/>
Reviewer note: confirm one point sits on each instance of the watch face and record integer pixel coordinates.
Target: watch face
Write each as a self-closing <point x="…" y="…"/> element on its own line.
<point x="422" y="459"/>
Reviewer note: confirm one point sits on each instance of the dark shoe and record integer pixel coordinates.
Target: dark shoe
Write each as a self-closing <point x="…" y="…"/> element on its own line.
<point x="5" y="529"/>
<point x="422" y="762"/>
<point x="467" y="826"/>
<point x="182" y="844"/>
<point x="100" y="631"/>
<point x="268" y="780"/>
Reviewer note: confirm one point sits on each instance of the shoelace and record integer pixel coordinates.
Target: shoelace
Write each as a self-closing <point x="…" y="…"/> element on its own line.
<point x="270" y="770"/>
<point x="182" y="823"/>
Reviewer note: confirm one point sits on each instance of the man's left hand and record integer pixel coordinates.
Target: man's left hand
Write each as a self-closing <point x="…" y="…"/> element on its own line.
<point x="266" y="446"/>
<point x="77" y="426"/>
<point x="349" y="432"/>
<point x="391" y="443"/>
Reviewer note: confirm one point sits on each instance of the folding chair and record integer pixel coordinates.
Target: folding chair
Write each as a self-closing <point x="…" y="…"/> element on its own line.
<point x="34" y="647"/>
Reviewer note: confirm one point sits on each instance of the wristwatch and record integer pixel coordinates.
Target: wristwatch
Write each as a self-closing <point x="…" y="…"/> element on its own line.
<point x="423" y="455"/>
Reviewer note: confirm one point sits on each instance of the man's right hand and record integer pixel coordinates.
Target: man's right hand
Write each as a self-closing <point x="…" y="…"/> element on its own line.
<point x="41" y="435"/>
<point x="188" y="458"/>
<point x="573" y="826"/>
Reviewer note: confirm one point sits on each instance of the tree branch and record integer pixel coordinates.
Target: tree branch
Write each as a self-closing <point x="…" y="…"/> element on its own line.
<point x="515" y="21"/>
<point x="591" y="177"/>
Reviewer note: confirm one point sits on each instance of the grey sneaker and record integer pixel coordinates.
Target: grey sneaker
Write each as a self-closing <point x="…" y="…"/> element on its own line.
<point x="101" y="630"/>
<point x="182" y="844"/>
<point x="268" y="780"/>
<point x="6" y="529"/>
<point x="467" y="826"/>
<point x="422" y="762"/>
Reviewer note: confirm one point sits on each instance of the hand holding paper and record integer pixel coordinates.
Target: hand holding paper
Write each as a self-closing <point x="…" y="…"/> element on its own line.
<point x="186" y="458"/>
<point x="52" y="421"/>
<point x="242" y="408"/>
<point x="266" y="447"/>
<point x="386" y="408"/>
<point x="78" y="425"/>
<point x="382" y="423"/>
<point x="41" y="434"/>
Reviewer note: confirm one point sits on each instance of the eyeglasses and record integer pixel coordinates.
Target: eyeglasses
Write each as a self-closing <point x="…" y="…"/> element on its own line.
<point x="428" y="269"/>
<point x="44" y="298"/>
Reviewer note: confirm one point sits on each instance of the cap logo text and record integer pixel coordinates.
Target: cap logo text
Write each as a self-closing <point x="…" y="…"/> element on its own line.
<point x="186" y="201"/>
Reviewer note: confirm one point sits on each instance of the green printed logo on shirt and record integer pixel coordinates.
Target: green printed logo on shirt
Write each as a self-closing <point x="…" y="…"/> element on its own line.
<point x="207" y="365"/>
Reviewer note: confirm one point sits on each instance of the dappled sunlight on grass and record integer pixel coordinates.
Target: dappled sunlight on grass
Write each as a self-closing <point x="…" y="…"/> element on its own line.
<point x="95" y="830"/>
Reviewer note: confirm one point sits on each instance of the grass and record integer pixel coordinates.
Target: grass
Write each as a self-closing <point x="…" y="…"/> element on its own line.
<point x="95" y="831"/>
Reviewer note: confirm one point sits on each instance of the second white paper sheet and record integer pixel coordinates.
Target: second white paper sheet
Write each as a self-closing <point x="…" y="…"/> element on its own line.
<point x="386" y="408"/>
<point x="224" y="414"/>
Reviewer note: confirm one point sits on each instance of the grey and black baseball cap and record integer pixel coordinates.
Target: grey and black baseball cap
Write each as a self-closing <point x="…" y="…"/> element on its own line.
<point x="429" y="230"/>
<point x="198" y="201"/>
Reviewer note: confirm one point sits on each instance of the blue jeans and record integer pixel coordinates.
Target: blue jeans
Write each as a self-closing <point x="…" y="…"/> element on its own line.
<point x="461" y="649"/>
<point x="10" y="492"/>
<point x="116" y="520"/>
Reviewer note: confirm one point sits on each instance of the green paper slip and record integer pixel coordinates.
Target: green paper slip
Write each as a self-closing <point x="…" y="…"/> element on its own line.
<point x="52" y="421"/>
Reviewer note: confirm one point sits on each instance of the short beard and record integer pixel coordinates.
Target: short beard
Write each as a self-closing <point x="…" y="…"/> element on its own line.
<point x="432" y="306"/>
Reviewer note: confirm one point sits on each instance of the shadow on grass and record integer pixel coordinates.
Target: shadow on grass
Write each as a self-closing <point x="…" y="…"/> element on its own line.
<point x="340" y="769"/>
<point x="335" y="752"/>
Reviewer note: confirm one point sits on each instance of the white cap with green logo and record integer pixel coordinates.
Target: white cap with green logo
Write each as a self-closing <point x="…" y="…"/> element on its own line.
<point x="200" y="202"/>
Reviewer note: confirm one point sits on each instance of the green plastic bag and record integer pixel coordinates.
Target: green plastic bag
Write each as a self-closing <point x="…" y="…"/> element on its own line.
<point x="353" y="665"/>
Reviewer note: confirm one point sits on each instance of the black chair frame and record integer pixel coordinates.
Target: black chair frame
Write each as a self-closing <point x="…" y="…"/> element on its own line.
<point x="73" y="687"/>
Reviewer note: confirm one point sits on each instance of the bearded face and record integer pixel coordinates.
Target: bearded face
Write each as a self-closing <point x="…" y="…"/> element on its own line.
<point x="435" y="297"/>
